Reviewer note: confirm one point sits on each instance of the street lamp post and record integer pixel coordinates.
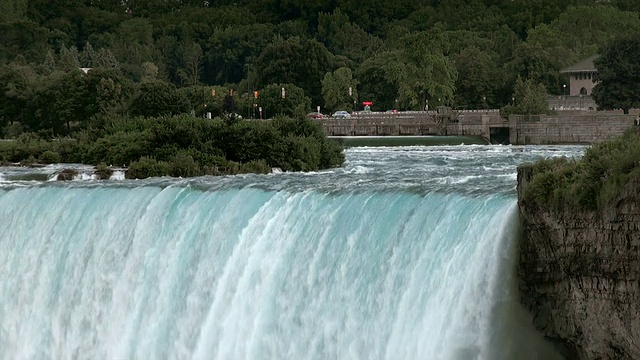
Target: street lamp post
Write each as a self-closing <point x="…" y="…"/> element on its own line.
<point x="564" y="95"/>
<point x="580" y="101"/>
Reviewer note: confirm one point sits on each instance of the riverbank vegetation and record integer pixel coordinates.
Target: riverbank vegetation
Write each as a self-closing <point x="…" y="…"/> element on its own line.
<point x="185" y="146"/>
<point x="590" y="182"/>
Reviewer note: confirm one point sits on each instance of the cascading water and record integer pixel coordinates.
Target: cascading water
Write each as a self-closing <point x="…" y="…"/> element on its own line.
<point x="405" y="253"/>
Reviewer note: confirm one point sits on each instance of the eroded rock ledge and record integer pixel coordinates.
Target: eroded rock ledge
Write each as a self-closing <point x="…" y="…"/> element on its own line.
<point x="579" y="274"/>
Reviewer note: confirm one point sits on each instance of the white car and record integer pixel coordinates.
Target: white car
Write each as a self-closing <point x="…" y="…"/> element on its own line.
<point x="341" y="115"/>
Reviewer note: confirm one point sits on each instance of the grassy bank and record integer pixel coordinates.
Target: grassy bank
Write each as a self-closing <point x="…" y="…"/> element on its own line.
<point x="590" y="182"/>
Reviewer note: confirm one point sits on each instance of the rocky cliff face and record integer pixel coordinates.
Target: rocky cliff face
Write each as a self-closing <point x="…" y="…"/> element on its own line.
<point x="579" y="274"/>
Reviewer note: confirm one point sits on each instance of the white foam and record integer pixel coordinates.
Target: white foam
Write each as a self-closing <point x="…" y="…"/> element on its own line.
<point x="117" y="175"/>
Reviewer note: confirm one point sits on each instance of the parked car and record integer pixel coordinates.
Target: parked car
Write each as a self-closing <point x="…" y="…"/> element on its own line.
<point x="341" y="115"/>
<point x="315" y="115"/>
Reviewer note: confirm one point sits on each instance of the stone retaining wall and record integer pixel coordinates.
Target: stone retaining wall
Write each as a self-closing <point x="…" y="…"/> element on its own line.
<point x="575" y="129"/>
<point x="568" y="128"/>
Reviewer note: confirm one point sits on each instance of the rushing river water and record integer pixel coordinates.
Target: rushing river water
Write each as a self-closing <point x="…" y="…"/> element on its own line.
<point x="403" y="253"/>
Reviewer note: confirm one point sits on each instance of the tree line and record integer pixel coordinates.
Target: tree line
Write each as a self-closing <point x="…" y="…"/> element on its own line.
<point x="151" y="58"/>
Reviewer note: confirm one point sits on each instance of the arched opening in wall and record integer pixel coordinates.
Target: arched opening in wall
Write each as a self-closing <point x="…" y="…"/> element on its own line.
<point x="583" y="91"/>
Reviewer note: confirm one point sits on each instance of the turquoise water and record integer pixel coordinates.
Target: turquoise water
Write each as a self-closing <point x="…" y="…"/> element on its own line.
<point x="404" y="253"/>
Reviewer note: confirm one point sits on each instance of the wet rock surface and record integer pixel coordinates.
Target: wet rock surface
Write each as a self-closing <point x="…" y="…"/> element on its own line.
<point x="67" y="175"/>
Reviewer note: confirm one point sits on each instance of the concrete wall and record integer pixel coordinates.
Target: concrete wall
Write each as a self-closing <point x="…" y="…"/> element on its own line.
<point x="563" y="129"/>
<point x="571" y="127"/>
<point x="414" y="123"/>
<point x="571" y="102"/>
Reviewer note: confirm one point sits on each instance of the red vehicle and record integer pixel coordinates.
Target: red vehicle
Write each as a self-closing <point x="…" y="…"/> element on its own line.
<point x="315" y="115"/>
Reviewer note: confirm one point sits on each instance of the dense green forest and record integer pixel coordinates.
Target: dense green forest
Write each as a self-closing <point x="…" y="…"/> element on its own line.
<point x="155" y="57"/>
<point x="259" y="59"/>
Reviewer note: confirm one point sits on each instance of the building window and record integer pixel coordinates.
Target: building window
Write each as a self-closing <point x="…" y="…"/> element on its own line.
<point x="583" y="91"/>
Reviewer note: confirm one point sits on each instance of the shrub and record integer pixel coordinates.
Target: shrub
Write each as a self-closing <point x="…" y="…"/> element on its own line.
<point x="50" y="157"/>
<point x="147" y="167"/>
<point x="590" y="183"/>
<point x="183" y="165"/>
<point x="29" y="161"/>
<point x="256" y="167"/>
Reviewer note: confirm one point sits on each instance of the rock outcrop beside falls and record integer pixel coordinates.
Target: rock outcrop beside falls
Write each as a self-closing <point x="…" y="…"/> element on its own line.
<point x="579" y="273"/>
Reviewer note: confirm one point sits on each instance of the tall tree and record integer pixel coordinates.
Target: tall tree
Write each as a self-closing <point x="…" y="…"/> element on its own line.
<point x="59" y="103"/>
<point x="530" y="97"/>
<point x="378" y="79"/>
<point x="230" y="46"/>
<point x="618" y="76"/>
<point x="16" y="91"/>
<point x="192" y="64"/>
<point x="156" y="98"/>
<point x="476" y="78"/>
<point x="339" y="89"/>
<point x="295" y="102"/>
<point x="303" y="63"/>
<point x="23" y="37"/>
<point x="341" y="37"/>
<point x="429" y="72"/>
<point x="87" y="56"/>
<point x="11" y="10"/>
<point x="69" y="59"/>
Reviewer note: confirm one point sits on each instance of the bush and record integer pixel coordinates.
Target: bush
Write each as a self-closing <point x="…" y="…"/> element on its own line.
<point x="29" y="161"/>
<point x="590" y="183"/>
<point x="255" y="167"/>
<point x="186" y="146"/>
<point x="50" y="157"/>
<point x="183" y="165"/>
<point x="147" y="167"/>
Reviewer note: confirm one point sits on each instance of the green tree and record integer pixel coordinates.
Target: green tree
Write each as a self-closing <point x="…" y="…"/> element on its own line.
<point x="16" y="91"/>
<point x="428" y="70"/>
<point x="157" y="98"/>
<point x="230" y="46"/>
<point x="530" y="98"/>
<point x="111" y="91"/>
<point x="150" y="72"/>
<point x="377" y="78"/>
<point x="303" y="63"/>
<point x="69" y="59"/>
<point x="87" y="56"/>
<point x="618" y="76"/>
<point x="11" y="10"/>
<point x="23" y="37"/>
<point x="341" y="37"/>
<point x="192" y="61"/>
<point x="59" y="103"/>
<point x="105" y="59"/>
<point x="49" y="62"/>
<point x="339" y="89"/>
<point x="295" y="102"/>
<point x="575" y="35"/>
<point x="476" y="76"/>
<point x="200" y="100"/>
